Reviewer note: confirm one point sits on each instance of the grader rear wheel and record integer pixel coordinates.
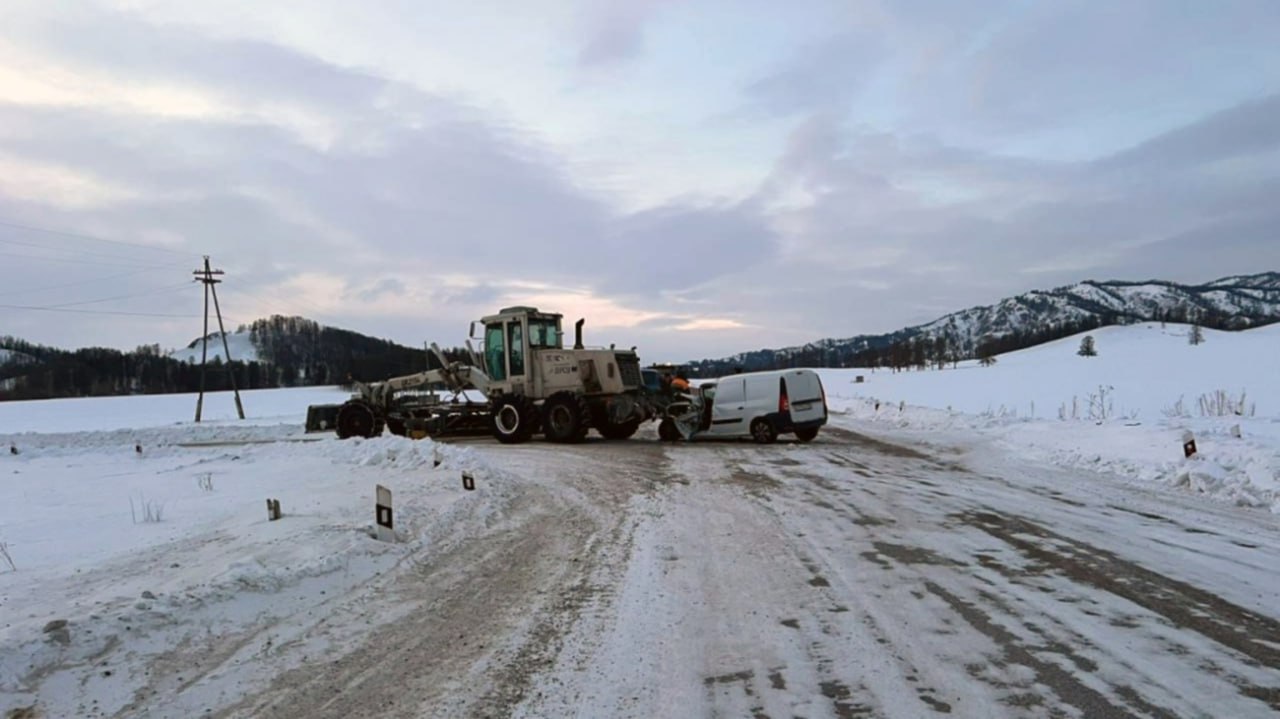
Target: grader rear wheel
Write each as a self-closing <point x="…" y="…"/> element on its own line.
<point x="357" y="418"/>
<point x="565" y="418"/>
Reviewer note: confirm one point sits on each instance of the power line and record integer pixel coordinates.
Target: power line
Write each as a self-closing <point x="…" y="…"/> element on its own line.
<point x="93" y="312"/>
<point x="79" y="236"/>
<point x="147" y="293"/>
<point x="97" y="263"/>
<point x="77" y="251"/>
<point x="64" y="285"/>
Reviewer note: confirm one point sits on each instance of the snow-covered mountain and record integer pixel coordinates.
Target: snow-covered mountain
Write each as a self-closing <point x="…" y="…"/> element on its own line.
<point x="1038" y="316"/>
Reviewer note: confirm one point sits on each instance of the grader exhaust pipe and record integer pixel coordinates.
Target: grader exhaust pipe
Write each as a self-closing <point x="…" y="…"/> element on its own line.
<point x="577" y="333"/>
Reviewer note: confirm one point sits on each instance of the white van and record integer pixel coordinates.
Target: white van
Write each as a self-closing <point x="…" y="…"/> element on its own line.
<point x="761" y="405"/>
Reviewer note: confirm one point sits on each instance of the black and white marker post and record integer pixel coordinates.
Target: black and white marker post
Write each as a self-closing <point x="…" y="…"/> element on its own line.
<point x="386" y="530"/>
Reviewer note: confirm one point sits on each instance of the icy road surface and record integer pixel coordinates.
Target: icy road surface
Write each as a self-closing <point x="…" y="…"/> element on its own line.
<point x="850" y="577"/>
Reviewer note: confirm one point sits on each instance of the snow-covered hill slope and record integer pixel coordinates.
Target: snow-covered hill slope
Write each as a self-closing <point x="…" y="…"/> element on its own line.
<point x="1144" y="370"/>
<point x="240" y="344"/>
<point x="7" y="356"/>
<point x="1124" y="412"/>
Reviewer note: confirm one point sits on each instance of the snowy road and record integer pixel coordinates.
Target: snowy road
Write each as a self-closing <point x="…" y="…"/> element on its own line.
<point x="845" y="578"/>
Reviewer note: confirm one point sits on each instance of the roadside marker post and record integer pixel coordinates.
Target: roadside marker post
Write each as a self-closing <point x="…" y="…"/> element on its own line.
<point x="1188" y="445"/>
<point x="468" y="481"/>
<point x="384" y="518"/>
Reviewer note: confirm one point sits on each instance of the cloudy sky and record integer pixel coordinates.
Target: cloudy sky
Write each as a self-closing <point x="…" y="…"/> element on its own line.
<point x="697" y="178"/>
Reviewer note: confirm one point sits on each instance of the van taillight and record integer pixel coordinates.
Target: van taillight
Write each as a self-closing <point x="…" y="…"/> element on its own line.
<point x="784" y="405"/>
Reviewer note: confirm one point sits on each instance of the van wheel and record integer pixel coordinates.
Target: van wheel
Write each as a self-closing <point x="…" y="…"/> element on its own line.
<point x="806" y="435"/>
<point x="762" y="431"/>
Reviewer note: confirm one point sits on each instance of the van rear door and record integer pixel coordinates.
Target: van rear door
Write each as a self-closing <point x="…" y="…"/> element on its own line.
<point x="804" y="392"/>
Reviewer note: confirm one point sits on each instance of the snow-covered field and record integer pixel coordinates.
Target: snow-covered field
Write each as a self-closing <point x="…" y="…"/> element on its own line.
<point x="636" y="566"/>
<point x="74" y="519"/>
<point x="1124" y="412"/>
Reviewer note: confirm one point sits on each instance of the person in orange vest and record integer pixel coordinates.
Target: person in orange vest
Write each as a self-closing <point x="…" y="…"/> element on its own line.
<point x="680" y="383"/>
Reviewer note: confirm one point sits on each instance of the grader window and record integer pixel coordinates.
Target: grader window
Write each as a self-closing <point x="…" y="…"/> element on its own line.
<point x="543" y="334"/>
<point x="515" y="335"/>
<point x="495" y="350"/>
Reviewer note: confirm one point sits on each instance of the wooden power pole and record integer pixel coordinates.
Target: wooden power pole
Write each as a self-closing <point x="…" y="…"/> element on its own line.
<point x="208" y="277"/>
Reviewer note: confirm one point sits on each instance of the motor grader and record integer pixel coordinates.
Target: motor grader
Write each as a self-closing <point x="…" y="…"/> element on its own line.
<point x="523" y="381"/>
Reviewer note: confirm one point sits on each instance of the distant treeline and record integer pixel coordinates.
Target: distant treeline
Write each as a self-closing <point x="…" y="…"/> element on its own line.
<point x="292" y="352"/>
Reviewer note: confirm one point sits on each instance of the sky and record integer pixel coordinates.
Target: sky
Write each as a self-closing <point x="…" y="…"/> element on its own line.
<point x="693" y="178"/>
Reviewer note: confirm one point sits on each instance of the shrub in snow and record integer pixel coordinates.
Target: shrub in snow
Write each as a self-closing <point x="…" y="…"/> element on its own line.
<point x="1065" y="413"/>
<point x="1177" y="410"/>
<point x="5" y="556"/>
<point x="1100" y="404"/>
<point x="205" y="481"/>
<point x="1221" y="404"/>
<point x="151" y="511"/>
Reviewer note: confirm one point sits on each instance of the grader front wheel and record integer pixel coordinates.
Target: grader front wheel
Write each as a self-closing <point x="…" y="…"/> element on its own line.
<point x="514" y="419"/>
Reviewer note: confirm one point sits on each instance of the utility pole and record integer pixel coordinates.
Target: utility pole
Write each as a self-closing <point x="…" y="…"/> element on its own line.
<point x="207" y="276"/>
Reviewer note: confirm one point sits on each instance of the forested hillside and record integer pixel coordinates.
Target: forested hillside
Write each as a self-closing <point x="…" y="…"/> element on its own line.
<point x="289" y="351"/>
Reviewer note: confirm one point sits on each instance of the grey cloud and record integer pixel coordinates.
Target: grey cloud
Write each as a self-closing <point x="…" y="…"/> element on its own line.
<point x="857" y="229"/>
<point x="387" y="286"/>
<point x="615" y="32"/>
<point x="126" y="44"/>
<point x="1248" y="128"/>
<point x="1060" y="62"/>
<point x="827" y="74"/>
<point x="959" y="227"/>
<point x="439" y="189"/>
<point x="676" y="247"/>
<point x="1217" y="248"/>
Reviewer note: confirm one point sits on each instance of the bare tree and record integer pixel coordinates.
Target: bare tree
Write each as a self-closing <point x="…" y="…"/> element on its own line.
<point x="1197" y="335"/>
